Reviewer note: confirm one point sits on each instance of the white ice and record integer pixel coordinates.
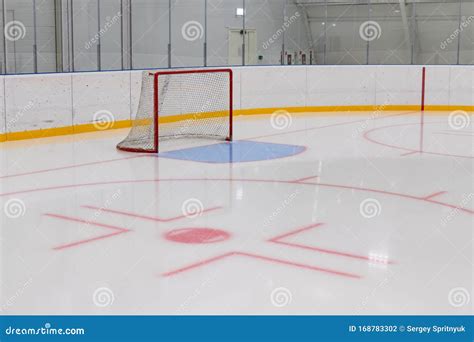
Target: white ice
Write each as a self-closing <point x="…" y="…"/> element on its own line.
<point x="389" y="230"/>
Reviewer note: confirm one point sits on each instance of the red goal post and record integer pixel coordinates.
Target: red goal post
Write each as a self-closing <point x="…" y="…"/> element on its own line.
<point x="195" y="104"/>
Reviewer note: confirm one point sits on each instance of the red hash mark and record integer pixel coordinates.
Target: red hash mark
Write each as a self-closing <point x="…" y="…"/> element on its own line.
<point x="280" y="240"/>
<point x="206" y="238"/>
<point x="144" y="217"/>
<point x="117" y="230"/>
<point x="263" y="258"/>
<point x="196" y="235"/>
<point x="436" y="194"/>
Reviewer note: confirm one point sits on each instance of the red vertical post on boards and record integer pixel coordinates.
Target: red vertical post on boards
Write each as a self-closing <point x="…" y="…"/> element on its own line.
<point x="231" y="103"/>
<point x="156" y="116"/>
<point x="423" y="87"/>
<point x="422" y="122"/>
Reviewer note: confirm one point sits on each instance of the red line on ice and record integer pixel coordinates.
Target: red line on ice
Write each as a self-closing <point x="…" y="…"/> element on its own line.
<point x="302" y="180"/>
<point x="149" y="218"/>
<point x="118" y="230"/>
<point x="328" y="185"/>
<point x="434" y="195"/>
<point x="259" y="257"/>
<point x="328" y="126"/>
<point x="409" y="153"/>
<point x="317" y="249"/>
<point x="154" y="156"/>
<point x="71" y="166"/>
<point x="82" y="242"/>
<point x="372" y="140"/>
<point x="461" y="134"/>
<point x="297" y="231"/>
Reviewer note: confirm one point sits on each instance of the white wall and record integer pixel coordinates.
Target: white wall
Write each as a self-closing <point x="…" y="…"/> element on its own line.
<point x="398" y="85"/>
<point x="273" y="87"/>
<point x="38" y="102"/>
<point x="96" y="93"/>
<point x="341" y="86"/>
<point x="34" y="102"/>
<point x="461" y="85"/>
<point x="2" y="106"/>
<point x="450" y="85"/>
<point x="45" y="101"/>
<point x="437" y="86"/>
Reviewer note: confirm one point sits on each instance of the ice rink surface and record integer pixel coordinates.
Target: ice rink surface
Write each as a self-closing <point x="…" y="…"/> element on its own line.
<point x="356" y="213"/>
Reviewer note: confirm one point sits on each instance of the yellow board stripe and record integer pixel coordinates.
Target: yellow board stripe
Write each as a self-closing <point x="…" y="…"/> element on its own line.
<point x="449" y="108"/>
<point x="68" y="130"/>
<point x="193" y="116"/>
<point x="86" y="128"/>
<point x="319" y="109"/>
<point x="40" y="133"/>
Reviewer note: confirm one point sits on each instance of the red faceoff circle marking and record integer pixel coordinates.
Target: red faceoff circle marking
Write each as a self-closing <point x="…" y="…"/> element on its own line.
<point x="197" y="235"/>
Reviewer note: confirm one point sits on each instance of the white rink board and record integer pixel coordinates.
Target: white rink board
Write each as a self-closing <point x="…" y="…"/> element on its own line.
<point x="237" y="88"/>
<point x="135" y="79"/>
<point x="59" y="100"/>
<point x="340" y="86"/>
<point x="96" y="93"/>
<point x="461" y="85"/>
<point x="437" y="86"/>
<point x="38" y="101"/>
<point x="2" y="106"/>
<point x="273" y="87"/>
<point x="398" y="85"/>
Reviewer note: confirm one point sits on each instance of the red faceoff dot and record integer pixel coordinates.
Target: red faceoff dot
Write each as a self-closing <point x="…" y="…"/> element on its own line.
<point x="197" y="235"/>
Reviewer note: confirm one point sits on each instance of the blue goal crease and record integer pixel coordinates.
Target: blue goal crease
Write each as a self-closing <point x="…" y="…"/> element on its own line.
<point x="234" y="152"/>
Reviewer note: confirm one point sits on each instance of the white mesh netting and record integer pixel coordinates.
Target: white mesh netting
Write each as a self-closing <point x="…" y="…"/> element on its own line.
<point x="190" y="105"/>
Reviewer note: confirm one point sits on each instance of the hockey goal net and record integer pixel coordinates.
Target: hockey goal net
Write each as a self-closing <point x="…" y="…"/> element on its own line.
<point x="181" y="104"/>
